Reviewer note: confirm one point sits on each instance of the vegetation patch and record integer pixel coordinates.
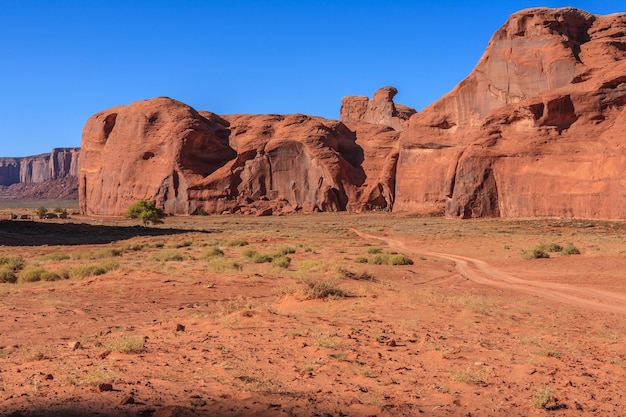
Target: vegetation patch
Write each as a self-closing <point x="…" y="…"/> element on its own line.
<point x="541" y="398"/>
<point x="319" y="288"/>
<point x="128" y="344"/>
<point x="90" y="270"/>
<point x="34" y="274"/>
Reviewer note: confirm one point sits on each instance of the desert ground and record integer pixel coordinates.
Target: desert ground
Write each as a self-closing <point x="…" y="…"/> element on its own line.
<point x="312" y="315"/>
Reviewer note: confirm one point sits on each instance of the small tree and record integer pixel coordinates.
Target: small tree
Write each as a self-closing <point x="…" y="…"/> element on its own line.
<point x="41" y="212"/>
<point x="147" y="211"/>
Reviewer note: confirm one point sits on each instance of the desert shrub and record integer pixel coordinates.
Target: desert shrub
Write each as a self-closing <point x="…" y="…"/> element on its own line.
<point x="281" y="261"/>
<point x="374" y="250"/>
<point x="249" y="253"/>
<point x="469" y="377"/>
<point x="41" y="212"/>
<point x="7" y="275"/>
<point x="400" y="260"/>
<point x="541" y="398"/>
<point x="84" y="271"/>
<point x="285" y="250"/>
<point x="359" y="276"/>
<point x="570" y="249"/>
<point x="147" y="211"/>
<point x="167" y="256"/>
<point x="550" y="247"/>
<point x="260" y="258"/>
<point x="220" y="264"/>
<point x="12" y="262"/>
<point x="34" y="274"/>
<point x="184" y="244"/>
<point x="360" y="260"/>
<point x="315" y="288"/>
<point x="212" y="253"/>
<point x="380" y="259"/>
<point x="55" y="256"/>
<point x="136" y="247"/>
<point x="98" y="254"/>
<point x="236" y="242"/>
<point x="535" y="253"/>
<point x="310" y="264"/>
<point x="128" y="344"/>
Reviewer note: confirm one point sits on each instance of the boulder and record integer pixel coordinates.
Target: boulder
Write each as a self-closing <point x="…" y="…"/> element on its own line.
<point x="537" y="129"/>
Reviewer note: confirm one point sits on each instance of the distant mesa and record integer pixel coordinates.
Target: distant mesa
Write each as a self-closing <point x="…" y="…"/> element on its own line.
<point x="52" y="175"/>
<point x="537" y="129"/>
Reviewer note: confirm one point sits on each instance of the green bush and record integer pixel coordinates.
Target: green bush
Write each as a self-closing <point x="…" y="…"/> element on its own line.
<point x="7" y="275"/>
<point x="374" y="250"/>
<point x="570" y="249"/>
<point x="147" y="211"/>
<point x="41" y="212"/>
<point x="281" y="261"/>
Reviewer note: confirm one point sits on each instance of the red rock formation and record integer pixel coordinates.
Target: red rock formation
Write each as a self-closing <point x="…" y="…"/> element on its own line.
<point x="190" y="162"/>
<point x="537" y="129"/>
<point x="379" y="110"/>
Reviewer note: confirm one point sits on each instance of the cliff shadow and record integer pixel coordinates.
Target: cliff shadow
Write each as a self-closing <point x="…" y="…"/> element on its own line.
<point x="34" y="233"/>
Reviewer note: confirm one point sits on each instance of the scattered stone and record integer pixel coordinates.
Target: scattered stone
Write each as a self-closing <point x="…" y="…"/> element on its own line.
<point x="104" y="387"/>
<point x="49" y="377"/>
<point x="74" y="345"/>
<point x="392" y="343"/>
<point x="104" y="354"/>
<point x="129" y="399"/>
<point x="180" y="328"/>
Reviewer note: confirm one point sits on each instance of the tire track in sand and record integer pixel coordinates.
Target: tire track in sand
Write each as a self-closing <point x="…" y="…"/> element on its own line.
<point x="482" y="273"/>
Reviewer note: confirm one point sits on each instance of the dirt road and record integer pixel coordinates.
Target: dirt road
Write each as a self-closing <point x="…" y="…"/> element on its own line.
<point x="482" y="273"/>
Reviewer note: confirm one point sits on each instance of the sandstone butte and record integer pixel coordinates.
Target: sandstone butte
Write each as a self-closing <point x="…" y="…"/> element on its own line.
<point x="537" y="129"/>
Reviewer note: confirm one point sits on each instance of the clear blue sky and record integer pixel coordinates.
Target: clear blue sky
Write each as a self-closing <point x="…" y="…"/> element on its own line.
<point x="63" y="61"/>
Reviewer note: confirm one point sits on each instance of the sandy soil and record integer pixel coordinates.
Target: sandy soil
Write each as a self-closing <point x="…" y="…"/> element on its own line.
<point x="183" y="321"/>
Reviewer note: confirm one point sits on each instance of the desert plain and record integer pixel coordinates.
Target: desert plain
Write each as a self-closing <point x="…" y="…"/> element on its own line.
<point x="307" y="315"/>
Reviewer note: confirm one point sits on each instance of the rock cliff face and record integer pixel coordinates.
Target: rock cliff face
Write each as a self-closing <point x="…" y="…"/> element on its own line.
<point x="537" y="129"/>
<point x="22" y="174"/>
<point x="60" y="163"/>
<point x="190" y="162"/>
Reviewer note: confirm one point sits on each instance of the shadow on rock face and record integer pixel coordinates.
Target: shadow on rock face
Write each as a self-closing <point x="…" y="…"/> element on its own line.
<point x="31" y="233"/>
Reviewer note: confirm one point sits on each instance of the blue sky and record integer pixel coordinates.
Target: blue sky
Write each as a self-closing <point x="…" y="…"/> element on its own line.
<point x="66" y="60"/>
